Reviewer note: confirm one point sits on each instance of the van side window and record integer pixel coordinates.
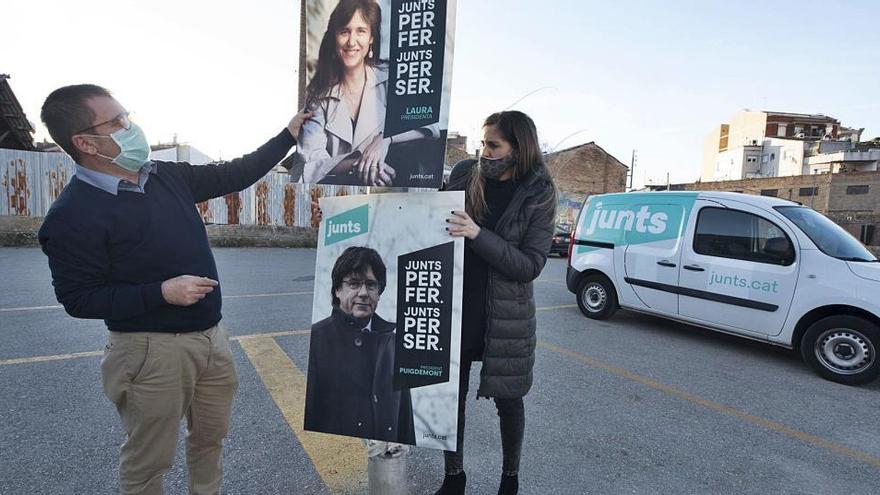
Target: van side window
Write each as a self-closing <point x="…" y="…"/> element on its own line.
<point x="739" y="235"/>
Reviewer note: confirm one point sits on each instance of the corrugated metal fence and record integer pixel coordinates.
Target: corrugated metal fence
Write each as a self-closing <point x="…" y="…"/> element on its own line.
<point x="31" y="181"/>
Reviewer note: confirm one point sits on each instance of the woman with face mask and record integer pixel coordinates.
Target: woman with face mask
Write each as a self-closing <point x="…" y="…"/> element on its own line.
<point x="344" y="141"/>
<point x="508" y="228"/>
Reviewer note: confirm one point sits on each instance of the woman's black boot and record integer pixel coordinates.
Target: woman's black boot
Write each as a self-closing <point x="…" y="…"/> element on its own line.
<point x="453" y="484"/>
<point x="509" y="485"/>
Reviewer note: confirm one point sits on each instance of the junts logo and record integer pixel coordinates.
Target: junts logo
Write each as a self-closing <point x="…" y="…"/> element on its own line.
<point x="346" y="225"/>
<point x="642" y="220"/>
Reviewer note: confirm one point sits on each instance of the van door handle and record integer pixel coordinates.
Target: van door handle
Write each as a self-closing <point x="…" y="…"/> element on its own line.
<point x="666" y="263"/>
<point x="694" y="268"/>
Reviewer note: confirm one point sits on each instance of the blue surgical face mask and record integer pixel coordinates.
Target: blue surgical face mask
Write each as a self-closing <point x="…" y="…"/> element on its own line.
<point x="134" y="150"/>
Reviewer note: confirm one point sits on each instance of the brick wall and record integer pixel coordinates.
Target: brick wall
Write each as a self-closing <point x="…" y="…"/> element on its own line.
<point x="586" y="169"/>
<point x="850" y="211"/>
<point x="844" y="185"/>
<point x="785" y="187"/>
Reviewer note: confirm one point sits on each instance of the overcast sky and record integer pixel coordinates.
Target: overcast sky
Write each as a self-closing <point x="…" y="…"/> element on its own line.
<point x="655" y="76"/>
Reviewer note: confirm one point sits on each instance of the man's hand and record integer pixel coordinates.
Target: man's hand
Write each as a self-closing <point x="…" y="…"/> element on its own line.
<point x="187" y="290"/>
<point x="297" y="121"/>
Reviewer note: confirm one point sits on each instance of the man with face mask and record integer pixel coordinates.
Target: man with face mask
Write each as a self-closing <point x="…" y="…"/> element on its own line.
<point x="351" y="359"/>
<point x="126" y="244"/>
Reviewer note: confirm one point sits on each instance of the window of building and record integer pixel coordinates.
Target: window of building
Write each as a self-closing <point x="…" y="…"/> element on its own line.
<point x="808" y="191"/>
<point x="751" y="159"/>
<point x="772" y="156"/>
<point x="861" y="189"/>
<point x="728" y="233"/>
<point x="765" y="159"/>
<point x="770" y="192"/>
<point x="780" y="131"/>
<point x="867" y="235"/>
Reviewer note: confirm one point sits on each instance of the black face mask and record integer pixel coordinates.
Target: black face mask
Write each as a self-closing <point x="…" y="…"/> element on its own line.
<point x="494" y="168"/>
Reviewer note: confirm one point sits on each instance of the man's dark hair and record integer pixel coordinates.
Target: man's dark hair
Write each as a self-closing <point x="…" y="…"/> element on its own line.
<point x="66" y="113"/>
<point x="355" y="260"/>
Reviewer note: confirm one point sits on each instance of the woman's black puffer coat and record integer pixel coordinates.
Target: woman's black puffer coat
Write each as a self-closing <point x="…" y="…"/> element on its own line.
<point x="516" y="252"/>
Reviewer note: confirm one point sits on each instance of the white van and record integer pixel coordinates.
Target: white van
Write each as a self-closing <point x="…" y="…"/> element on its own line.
<point x="758" y="267"/>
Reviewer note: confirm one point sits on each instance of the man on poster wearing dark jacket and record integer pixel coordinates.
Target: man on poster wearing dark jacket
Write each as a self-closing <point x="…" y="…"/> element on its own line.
<point x="351" y="359"/>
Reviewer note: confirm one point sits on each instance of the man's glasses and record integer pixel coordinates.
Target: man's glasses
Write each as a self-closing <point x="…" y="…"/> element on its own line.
<point x="356" y="284"/>
<point x="122" y="120"/>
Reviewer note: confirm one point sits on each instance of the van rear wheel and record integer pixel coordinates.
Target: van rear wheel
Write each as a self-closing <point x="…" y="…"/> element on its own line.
<point x="596" y="297"/>
<point x="843" y="349"/>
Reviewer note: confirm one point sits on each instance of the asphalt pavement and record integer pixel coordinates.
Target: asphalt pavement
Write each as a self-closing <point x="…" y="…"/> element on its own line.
<point x="634" y="405"/>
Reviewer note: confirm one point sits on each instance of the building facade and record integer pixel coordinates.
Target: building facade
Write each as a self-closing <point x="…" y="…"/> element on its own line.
<point x="581" y="171"/>
<point x="756" y="144"/>
<point x="851" y="199"/>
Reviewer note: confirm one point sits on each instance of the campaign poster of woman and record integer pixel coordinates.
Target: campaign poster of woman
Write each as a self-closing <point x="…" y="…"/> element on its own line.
<point x="378" y="76"/>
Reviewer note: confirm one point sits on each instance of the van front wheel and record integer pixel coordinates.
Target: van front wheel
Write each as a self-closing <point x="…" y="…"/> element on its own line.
<point x="843" y="349"/>
<point x="596" y="297"/>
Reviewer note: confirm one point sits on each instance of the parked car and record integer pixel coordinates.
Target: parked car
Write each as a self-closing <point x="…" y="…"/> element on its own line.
<point x="561" y="240"/>
<point x="757" y="267"/>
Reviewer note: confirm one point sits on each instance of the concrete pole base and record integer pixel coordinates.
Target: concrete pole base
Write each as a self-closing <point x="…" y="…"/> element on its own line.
<point x="387" y="474"/>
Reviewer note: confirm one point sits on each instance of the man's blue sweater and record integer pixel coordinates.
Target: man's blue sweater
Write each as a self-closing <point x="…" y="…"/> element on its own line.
<point x="109" y="254"/>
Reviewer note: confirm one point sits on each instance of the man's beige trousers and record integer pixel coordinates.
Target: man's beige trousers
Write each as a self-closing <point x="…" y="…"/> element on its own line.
<point x="156" y="379"/>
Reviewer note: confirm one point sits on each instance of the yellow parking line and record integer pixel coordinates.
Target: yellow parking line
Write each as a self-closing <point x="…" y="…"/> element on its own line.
<point x="238" y="296"/>
<point x="285" y="333"/>
<point x="341" y="461"/>
<point x="270" y="294"/>
<point x="76" y="355"/>
<point x="57" y="357"/>
<point x="695" y="399"/>
<point x="30" y="308"/>
<point x="552" y="308"/>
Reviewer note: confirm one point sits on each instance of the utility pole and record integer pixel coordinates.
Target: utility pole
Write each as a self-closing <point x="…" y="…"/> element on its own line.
<point x="632" y="169"/>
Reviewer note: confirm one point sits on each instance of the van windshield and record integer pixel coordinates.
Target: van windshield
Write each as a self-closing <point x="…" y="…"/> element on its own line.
<point x="829" y="237"/>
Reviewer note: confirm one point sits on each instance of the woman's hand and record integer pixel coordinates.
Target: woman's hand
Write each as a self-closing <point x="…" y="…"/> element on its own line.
<point x="372" y="159"/>
<point x="386" y="175"/>
<point x="462" y="225"/>
<point x="297" y="121"/>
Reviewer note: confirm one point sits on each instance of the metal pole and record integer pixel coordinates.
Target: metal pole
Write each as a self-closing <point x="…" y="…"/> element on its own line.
<point x="386" y="468"/>
<point x="632" y="169"/>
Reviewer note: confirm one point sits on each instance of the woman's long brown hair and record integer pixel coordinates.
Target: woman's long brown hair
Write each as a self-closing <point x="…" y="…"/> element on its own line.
<point x="329" y="70"/>
<point x="519" y="130"/>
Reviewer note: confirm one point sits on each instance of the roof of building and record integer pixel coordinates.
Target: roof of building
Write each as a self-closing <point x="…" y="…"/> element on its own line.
<point x="591" y="144"/>
<point x="15" y="130"/>
<point x="752" y="199"/>
<point x="811" y="116"/>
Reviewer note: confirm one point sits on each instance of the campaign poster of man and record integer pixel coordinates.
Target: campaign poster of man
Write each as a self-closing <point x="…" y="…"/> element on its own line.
<point x="378" y="76"/>
<point x="386" y="320"/>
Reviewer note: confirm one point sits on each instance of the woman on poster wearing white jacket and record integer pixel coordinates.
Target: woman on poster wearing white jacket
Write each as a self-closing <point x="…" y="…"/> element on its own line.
<point x="344" y="141"/>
